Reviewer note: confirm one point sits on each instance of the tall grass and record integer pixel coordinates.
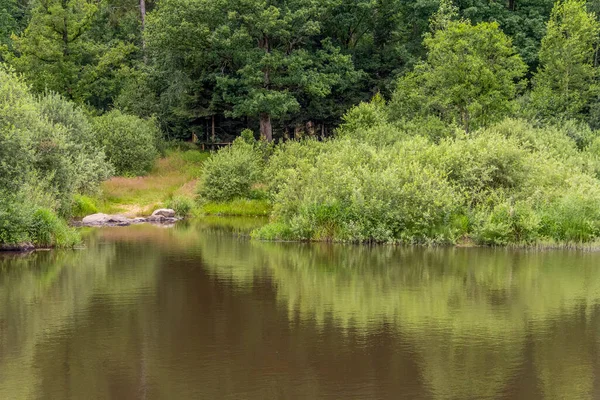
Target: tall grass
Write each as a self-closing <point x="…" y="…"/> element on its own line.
<point x="237" y="207"/>
<point x="175" y="175"/>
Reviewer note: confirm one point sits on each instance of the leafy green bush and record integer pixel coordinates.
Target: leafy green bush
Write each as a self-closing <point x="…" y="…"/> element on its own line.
<point x="510" y="183"/>
<point x="357" y="192"/>
<point x="573" y="216"/>
<point x="66" y="154"/>
<point x="15" y="218"/>
<point x="89" y="163"/>
<point x="130" y="142"/>
<point x="231" y="172"/>
<point x="507" y="223"/>
<point x="291" y="158"/>
<point x="275" y="231"/>
<point x="48" y="230"/>
<point x="82" y="206"/>
<point x="481" y="164"/>
<point x="46" y="156"/>
<point x="181" y="205"/>
<point x="19" y="120"/>
<point x="21" y="223"/>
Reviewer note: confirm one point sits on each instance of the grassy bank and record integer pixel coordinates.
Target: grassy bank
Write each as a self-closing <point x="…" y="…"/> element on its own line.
<point x="174" y="177"/>
<point x="513" y="184"/>
<point x="238" y="207"/>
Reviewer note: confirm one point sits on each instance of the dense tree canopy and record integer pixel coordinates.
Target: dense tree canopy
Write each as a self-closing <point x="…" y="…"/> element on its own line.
<point x="566" y="83"/>
<point x="470" y="77"/>
<point x="8" y="20"/>
<point x="258" y="60"/>
<point x="214" y="68"/>
<point x="106" y="80"/>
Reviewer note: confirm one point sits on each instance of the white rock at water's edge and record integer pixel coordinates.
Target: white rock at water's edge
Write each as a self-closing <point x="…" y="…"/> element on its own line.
<point x="164" y="212"/>
<point x="162" y="216"/>
<point x="104" y="219"/>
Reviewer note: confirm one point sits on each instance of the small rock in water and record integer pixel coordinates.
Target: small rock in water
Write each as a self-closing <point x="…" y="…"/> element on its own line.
<point x="165" y="212"/>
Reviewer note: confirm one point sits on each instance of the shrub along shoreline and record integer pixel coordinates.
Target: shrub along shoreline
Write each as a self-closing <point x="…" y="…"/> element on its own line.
<point x="51" y="153"/>
<point x="466" y="152"/>
<point x="511" y="184"/>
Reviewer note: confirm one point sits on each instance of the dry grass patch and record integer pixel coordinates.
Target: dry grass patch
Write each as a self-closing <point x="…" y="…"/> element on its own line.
<point x="175" y="174"/>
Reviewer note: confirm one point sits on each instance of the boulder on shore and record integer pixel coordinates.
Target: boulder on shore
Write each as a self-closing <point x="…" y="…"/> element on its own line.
<point x="105" y="219"/>
<point x="164" y="212"/>
<point x="161" y="216"/>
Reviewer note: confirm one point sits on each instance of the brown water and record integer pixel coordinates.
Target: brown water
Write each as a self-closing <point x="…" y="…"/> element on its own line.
<point x="195" y="312"/>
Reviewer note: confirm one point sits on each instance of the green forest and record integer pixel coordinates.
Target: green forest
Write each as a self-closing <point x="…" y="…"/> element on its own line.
<point x="378" y="121"/>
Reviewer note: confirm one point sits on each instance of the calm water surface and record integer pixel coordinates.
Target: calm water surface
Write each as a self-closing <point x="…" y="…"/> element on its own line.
<point x="196" y="312"/>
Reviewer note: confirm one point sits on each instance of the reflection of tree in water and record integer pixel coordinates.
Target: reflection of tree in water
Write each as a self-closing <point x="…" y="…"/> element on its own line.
<point x="42" y="294"/>
<point x="117" y="319"/>
<point x="468" y="311"/>
<point x="565" y="360"/>
<point x="38" y="294"/>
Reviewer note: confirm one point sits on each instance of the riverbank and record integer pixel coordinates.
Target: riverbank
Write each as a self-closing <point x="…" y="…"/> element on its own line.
<point x="174" y="176"/>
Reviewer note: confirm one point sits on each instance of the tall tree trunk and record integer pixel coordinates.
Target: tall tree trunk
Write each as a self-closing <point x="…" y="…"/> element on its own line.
<point x="266" y="130"/>
<point x="213" y="128"/>
<point x="465" y="120"/>
<point x="143" y="14"/>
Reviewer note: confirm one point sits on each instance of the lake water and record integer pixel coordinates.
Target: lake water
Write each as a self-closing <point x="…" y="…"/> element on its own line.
<point x="199" y="312"/>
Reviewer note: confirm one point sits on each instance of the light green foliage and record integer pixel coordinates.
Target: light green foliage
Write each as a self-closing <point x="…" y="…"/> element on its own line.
<point x="357" y="192"/>
<point x="442" y="19"/>
<point x="45" y="158"/>
<point x="507" y="223"/>
<point x="130" y="142"/>
<point x="76" y="145"/>
<point x="21" y="221"/>
<point x="48" y="230"/>
<point x="72" y="47"/>
<point x="238" y="207"/>
<point x="182" y="206"/>
<point x="372" y="123"/>
<point x="369" y="122"/>
<point x="511" y="183"/>
<point x="15" y="217"/>
<point x="46" y="142"/>
<point x="565" y="83"/>
<point x="51" y="49"/>
<point x="291" y="159"/>
<point x="231" y="172"/>
<point x="82" y="206"/>
<point x="248" y="136"/>
<point x="482" y="166"/>
<point x="19" y="120"/>
<point x="470" y="77"/>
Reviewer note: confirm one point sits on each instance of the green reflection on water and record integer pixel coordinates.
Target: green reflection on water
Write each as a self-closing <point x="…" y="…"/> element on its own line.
<point x="474" y="318"/>
<point x="468" y="312"/>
